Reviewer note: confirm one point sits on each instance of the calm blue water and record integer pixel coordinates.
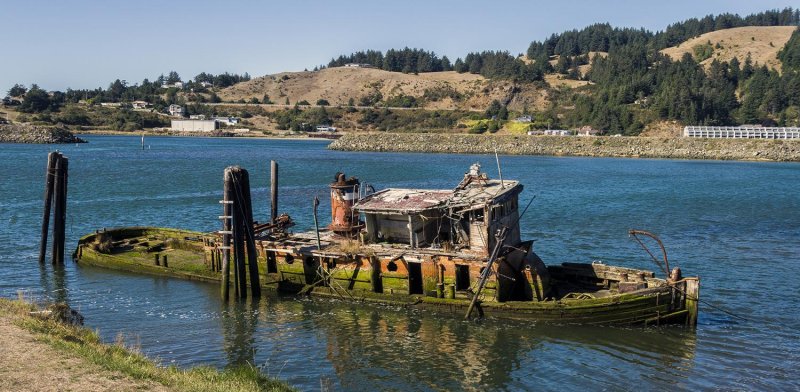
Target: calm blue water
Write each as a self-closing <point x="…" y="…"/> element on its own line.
<point x="737" y="225"/>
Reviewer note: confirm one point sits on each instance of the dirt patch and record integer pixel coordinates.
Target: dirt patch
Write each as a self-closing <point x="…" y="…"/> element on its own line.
<point x="30" y="365"/>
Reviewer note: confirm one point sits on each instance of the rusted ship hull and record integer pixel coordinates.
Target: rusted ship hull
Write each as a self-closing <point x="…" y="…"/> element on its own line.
<point x="524" y="288"/>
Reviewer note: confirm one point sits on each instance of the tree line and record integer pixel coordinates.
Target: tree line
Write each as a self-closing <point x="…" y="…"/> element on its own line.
<point x="403" y="60"/>
<point x="602" y="37"/>
<point x="160" y="92"/>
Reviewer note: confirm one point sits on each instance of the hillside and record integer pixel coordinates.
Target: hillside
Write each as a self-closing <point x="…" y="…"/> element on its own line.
<point x="437" y="90"/>
<point x="762" y="43"/>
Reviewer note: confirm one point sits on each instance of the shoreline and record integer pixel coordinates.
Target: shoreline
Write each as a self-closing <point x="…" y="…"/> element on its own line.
<point x="48" y="349"/>
<point x="611" y="147"/>
<point x="193" y="135"/>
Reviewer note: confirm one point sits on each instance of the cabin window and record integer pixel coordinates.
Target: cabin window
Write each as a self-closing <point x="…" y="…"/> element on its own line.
<point x="477" y="216"/>
<point x="462" y="277"/>
<point x="288" y="258"/>
<point x="392" y="266"/>
<point x="415" y="278"/>
<point x="272" y="263"/>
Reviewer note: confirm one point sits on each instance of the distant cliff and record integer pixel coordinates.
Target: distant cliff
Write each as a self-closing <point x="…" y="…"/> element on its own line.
<point x="33" y="134"/>
<point x="627" y="147"/>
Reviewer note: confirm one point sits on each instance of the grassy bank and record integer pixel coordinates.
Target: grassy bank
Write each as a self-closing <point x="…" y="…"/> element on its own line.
<point x="98" y="366"/>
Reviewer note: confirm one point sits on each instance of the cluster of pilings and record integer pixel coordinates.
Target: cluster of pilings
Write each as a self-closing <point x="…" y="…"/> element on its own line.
<point x="238" y="237"/>
<point x="55" y="199"/>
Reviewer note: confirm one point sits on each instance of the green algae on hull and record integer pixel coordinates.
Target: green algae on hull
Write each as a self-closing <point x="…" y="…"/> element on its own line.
<point x="134" y="249"/>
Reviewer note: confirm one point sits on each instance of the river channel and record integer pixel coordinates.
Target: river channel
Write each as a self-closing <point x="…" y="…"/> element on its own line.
<point x="735" y="224"/>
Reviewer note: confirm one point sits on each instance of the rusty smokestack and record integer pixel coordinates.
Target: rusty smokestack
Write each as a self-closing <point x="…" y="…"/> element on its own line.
<point x="344" y="194"/>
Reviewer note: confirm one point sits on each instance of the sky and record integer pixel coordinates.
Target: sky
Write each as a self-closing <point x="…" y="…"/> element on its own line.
<point x="88" y="44"/>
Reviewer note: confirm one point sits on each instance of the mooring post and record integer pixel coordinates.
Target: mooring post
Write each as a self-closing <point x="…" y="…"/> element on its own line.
<point x="49" y="180"/>
<point x="60" y="204"/>
<point x="239" y="227"/>
<point x="227" y="213"/>
<point x="273" y="191"/>
<point x="249" y="236"/>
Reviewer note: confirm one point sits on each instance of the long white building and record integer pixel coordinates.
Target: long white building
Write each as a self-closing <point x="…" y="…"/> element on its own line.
<point x="742" y="132"/>
<point x="194" y="125"/>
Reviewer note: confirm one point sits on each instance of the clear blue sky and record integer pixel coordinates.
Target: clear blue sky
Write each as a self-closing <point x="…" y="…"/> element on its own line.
<point x="88" y="44"/>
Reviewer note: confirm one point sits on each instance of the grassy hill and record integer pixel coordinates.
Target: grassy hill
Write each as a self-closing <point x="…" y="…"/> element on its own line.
<point x="433" y="90"/>
<point x="762" y="43"/>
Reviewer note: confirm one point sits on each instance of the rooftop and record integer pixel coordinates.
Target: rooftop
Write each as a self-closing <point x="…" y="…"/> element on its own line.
<point x="408" y="201"/>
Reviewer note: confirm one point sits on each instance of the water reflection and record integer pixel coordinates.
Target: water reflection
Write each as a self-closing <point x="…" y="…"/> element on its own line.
<point x="239" y="322"/>
<point x="397" y="349"/>
<point x="53" y="284"/>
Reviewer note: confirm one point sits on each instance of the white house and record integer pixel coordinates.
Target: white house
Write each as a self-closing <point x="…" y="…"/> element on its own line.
<point x="176" y="110"/>
<point x="588" y="131"/>
<point x="227" y="121"/>
<point x="557" y="132"/>
<point x="176" y="85"/>
<point x="325" y="128"/>
<point x="140" y="104"/>
<point x="359" y="65"/>
<point x="524" y="119"/>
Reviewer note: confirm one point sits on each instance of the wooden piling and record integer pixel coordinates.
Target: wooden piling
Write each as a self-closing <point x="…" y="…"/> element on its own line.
<point x="49" y="180"/>
<point x="227" y="201"/>
<point x="249" y="234"/>
<point x="60" y="206"/>
<point x="692" y="293"/>
<point x="273" y="191"/>
<point x="238" y="236"/>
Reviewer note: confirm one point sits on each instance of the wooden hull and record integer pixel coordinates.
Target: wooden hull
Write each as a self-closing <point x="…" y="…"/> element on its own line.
<point x="187" y="256"/>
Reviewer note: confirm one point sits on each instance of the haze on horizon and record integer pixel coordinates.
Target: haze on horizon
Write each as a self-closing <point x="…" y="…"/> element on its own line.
<point x="88" y="44"/>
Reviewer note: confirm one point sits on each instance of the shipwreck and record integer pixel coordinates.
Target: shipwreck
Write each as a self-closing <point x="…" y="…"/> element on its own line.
<point x="456" y="250"/>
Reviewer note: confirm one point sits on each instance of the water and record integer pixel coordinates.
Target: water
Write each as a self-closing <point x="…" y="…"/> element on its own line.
<point x="735" y="224"/>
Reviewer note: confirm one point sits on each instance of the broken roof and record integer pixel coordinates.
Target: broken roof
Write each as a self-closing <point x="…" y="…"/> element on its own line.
<point x="407" y="201"/>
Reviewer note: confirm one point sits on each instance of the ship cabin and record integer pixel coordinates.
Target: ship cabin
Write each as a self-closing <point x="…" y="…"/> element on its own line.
<point x="463" y="220"/>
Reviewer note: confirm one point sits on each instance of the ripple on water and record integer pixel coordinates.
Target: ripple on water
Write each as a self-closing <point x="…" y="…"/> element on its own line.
<point x="735" y="224"/>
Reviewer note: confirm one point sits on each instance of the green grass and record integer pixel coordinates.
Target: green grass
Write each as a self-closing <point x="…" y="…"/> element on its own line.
<point x="86" y="344"/>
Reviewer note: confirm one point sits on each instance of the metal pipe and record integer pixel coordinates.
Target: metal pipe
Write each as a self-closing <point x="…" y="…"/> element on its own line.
<point x="273" y="191"/>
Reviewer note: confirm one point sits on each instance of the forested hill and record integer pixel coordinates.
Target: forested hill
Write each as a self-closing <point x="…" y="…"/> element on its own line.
<point x="633" y="83"/>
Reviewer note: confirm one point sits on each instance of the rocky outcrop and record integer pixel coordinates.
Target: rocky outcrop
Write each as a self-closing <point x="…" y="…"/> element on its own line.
<point x="628" y="147"/>
<point x="33" y="134"/>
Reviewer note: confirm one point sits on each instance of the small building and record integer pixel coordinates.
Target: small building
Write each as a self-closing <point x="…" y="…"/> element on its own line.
<point x="524" y="119"/>
<point x="197" y="117"/>
<point x="140" y="104"/>
<point x="557" y="132"/>
<point x="110" y="104"/>
<point x="742" y="132"/>
<point x="206" y="84"/>
<point x="226" y="121"/>
<point x="176" y="110"/>
<point x="170" y="85"/>
<point x="194" y="125"/>
<point x="359" y="65"/>
<point x="589" y="131"/>
<point x="325" y="128"/>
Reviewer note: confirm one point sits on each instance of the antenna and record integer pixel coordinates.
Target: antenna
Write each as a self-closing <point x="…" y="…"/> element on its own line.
<point x="499" y="173"/>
